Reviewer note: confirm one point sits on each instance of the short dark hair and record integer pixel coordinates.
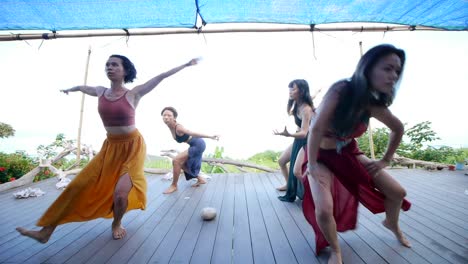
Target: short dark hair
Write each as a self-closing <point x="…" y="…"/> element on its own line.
<point x="130" y="70"/>
<point x="170" y="108"/>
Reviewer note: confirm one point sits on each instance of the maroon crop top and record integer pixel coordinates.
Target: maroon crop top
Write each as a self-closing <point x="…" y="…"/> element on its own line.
<point x="357" y="132"/>
<point x="116" y="113"/>
<point x="343" y="141"/>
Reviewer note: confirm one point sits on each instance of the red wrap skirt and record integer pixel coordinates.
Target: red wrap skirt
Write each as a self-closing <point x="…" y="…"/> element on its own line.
<point x="351" y="184"/>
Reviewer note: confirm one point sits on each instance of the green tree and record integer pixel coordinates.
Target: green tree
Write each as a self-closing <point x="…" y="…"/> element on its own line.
<point x="443" y="154"/>
<point x="213" y="168"/>
<point x="6" y="130"/>
<point x="419" y="134"/>
<point x="267" y="158"/>
<point x="50" y="150"/>
<point x="380" y="139"/>
<point x="14" y="166"/>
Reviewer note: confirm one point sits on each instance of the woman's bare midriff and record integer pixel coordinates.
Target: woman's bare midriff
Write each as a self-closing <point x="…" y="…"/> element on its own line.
<point x="120" y="130"/>
<point x="329" y="143"/>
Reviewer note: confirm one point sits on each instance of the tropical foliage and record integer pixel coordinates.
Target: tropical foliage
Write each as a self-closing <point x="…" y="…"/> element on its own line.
<point x="267" y="158"/>
<point x="6" y="130"/>
<point x="208" y="168"/>
<point x="414" y="144"/>
<point x="14" y="166"/>
<point x="51" y="150"/>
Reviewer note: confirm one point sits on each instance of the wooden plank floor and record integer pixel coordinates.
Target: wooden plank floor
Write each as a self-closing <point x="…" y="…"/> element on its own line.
<point x="252" y="226"/>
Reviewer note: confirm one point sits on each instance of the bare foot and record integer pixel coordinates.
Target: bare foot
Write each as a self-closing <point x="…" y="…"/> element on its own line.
<point x="171" y="189"/>
<point x="282" y="188"/>
<point x="200" y="181"/>
<point x="399" y="235"/>
<point x="335" y="258"/>
<point x="41" y="236"/>
<point x="118" y="232"/>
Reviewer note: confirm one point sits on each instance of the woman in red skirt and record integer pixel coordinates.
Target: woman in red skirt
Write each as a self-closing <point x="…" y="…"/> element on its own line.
<point x="338" y="174"/>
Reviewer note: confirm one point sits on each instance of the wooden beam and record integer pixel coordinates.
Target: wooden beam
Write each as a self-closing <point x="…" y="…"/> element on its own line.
<point x="47" y="35"/>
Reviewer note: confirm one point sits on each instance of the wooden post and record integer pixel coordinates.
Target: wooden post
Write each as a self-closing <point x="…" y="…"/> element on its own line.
<point x="369" y="128"/>
<point x="78" y="147"/>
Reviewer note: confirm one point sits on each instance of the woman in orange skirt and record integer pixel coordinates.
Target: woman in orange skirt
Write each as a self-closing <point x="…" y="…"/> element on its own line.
<point x="113" y="182"/>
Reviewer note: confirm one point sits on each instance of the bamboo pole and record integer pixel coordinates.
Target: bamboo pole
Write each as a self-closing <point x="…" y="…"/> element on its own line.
<point x="369" y="128"/>
<point x="78" y="147"/>
<point x="164" y="31"/>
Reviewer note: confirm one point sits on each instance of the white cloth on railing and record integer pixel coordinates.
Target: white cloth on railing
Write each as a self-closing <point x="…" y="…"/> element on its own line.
<point x="63" y="182"/>
<point x="29" y="192"/>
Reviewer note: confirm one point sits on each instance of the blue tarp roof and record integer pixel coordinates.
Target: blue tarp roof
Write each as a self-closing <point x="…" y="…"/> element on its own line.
<point x="55" y="15"/>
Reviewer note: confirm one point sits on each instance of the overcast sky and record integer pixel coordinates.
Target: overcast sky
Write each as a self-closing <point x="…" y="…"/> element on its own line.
<point x="239" y="90"/>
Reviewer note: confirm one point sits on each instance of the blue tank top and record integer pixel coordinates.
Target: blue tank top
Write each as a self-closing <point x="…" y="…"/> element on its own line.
<point x="181" y="139"/>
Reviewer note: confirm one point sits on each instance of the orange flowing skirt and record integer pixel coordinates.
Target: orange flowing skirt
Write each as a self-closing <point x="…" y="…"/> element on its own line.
<point x="91" y="193"/>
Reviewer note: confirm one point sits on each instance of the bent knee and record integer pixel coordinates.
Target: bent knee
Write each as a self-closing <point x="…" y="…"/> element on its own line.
<point x="120" y="197"/>
<point x="324" y="214"/>
<point x="176" y="162"/>
<point x="401" y="193"/>
<point x="298" y="173"/>
<point x="398" y="194"/>
<point x="282" y="162"/>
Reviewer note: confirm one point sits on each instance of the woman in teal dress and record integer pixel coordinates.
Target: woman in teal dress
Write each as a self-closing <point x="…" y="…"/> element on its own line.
<point x="300" y="106"/>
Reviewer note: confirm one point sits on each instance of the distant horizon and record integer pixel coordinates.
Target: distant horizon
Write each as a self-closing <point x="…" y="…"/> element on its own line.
<point x="33" y="153"/>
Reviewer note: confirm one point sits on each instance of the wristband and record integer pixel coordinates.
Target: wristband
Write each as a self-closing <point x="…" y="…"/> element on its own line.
<point x="311" y="167"/>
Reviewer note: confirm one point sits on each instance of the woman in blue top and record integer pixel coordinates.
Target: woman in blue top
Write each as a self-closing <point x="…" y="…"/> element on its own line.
<point x="189" y="160"/>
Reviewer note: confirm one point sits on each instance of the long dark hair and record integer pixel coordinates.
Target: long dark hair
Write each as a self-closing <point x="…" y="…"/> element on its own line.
<point x="357" y="95"/>
<point x="130" y="70"/>
<point x="305" y="97"/>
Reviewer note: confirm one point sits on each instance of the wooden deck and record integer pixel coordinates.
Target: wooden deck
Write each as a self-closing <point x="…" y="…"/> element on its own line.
<point x="252" y="226"/>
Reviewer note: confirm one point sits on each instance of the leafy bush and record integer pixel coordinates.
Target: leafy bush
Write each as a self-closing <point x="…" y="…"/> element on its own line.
<point x="442" y="154"/>
<point x="159" y="164"/>
<point x="45" y="173"/>
<point x="6" y="130"/>
<point x="456" y="156"/>
<point x="380" y="139"/>
<point x="51" y="150"/>
<point x="267" y="158"/>
<point x="65" y="164"/>
<point x="218" y="154"/>
<point x="14" y="166"/>
<point x="412" y="145"/>
<point x="419" y="134"/>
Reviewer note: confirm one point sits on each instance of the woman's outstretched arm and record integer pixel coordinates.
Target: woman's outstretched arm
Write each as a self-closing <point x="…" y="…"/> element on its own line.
<point x="89" y="90"/>
<point x="140" y="90"/>
<point x="182" y="130"/>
